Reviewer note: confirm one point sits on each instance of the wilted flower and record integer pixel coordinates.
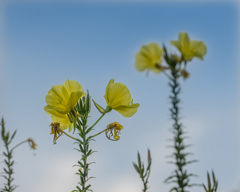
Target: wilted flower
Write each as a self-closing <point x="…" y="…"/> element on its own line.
<point x="184" y="73"/>
<point x="55" y="129"/>
<point x="119" y="98"/>
<point x="32" y="143"/>
<point x="149" y="58"/>
<point x="113" y="130"/>
<point x="61" y="99"/>
<point x="189" y="49"/>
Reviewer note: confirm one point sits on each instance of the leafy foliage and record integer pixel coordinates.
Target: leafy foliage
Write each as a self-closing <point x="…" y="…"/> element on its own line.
<point x="144" y="174"/>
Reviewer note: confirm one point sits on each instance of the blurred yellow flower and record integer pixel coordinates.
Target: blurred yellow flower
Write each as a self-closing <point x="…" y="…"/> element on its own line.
<point x="113" y="130"/>
<point x="32" y="143"/>
<point x="61" y="99"/>
<point x="185" y="74"/>
<point x="119" y="98"/>
<point x="149" y="58"/>
<point x="189" y="49"/>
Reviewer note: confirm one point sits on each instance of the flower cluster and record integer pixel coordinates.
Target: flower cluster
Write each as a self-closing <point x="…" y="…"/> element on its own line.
<point x="62" y="99"/>
<point x="150" y="56"/>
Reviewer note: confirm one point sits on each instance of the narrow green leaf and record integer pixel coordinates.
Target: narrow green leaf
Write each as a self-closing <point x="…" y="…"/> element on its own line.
<point x="139" y="161"/>
<point x="209" y="181"/>
<point x="136" y="167"/>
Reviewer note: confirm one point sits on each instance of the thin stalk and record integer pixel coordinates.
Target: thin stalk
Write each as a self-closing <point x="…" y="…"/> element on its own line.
<point x="19" y="144"/>
<point x="99" y="133"/>
<point x="97" y="120"/>
<point x="85" y="171"/>
<point x="68" y="135"/>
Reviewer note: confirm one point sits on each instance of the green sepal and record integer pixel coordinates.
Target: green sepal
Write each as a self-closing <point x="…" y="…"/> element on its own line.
<point x="88" y="102"/>
<point x="70" y="127"/>
<point x="99" y="108"/>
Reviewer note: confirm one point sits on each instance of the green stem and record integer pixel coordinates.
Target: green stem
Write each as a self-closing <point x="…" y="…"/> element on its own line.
<point x="19" y="144"/>
<point x="85" y="173"/>
<point x="68" y="135"/>
<point x="97" y="120"/>
<point x="84" y="149"/>
<point x="99" y="133"/>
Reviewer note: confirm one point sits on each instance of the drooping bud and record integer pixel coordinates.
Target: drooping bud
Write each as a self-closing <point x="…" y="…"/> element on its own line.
<point x="32" y="143"/>
<point x="113" y="131"/>
<point x="185" y="74"/>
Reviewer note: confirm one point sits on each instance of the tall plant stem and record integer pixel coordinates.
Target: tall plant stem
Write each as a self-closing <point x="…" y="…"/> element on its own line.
<point x="84" y="149"/>
<point x="9" y="171"/>
<point x="180" y="175"/>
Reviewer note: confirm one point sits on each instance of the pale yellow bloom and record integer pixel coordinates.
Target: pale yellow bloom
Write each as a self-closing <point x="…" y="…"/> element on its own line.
<point x="189" y="49"/>
<point x="61" y="99"/>
<point x="149" y="58"/>
<point x="113" y="130"/>
<point x="119" y="98"/>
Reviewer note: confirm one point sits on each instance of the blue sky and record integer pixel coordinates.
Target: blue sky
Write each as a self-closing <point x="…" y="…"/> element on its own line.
<point x="43" y="44"/>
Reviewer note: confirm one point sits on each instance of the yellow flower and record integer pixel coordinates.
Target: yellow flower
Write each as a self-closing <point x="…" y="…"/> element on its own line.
<point x="113" y="130"/>
<point x="189" y="49"/>
<point x="32" y="143"/>
<point x="61" y="99"/>
<point x="119" y="98"/>
<point x="149" y="58"/>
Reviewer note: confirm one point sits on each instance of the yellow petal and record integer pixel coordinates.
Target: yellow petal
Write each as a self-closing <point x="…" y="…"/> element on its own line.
<point x="156" y="69"/>
<point x="63" y="120"/>
<point x="107" y="88"/>
<point x="51" y="110"/>
<point x="142" y="63"/>
<point x="117" y="94"/>
<point x="57" y="117"/>
<point x="73" y="99"/>
<point x="176" y="44"/>
<point x="184" y="41"/>
<point x="72" y="86"/>
<point x="155" y="51"/>
<point x="62" y="98"/>
<point x="199" y="48"/>
<point x="127" y="111"/>
<point x="148" y="56"/>
<point x="55" y="96"/>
